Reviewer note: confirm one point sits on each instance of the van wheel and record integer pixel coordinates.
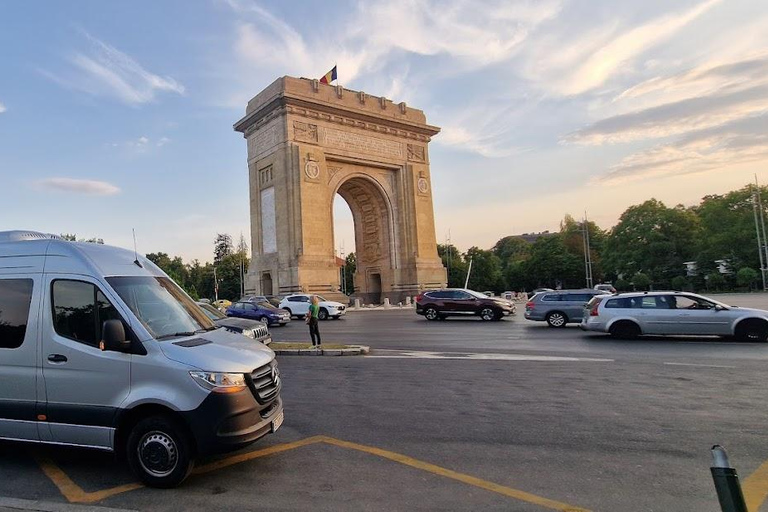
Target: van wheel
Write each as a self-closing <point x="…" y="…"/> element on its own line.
<point x="556" y="319"/>
<point x="488" y="314"/>
<point x="159" y="452"/>
<point x="625" y="330"/>
<point x="290" y="313"/>
<point x="322" y="314"/>
<point x="431" y="314"/>
<point x="752" y="330"/>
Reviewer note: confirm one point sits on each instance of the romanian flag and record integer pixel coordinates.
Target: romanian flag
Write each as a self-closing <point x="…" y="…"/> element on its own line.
<point x="329" y="76"/>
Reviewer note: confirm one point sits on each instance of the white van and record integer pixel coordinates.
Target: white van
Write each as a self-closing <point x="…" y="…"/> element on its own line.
<point x="101" y="349"/>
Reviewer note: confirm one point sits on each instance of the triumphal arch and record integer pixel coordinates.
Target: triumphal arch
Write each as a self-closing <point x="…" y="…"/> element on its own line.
<point x="309" y="141"/>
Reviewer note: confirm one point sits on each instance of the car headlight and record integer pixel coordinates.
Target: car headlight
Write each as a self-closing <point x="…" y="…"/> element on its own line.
<point x="250" y="333"/>
<point x="219" y="382"/>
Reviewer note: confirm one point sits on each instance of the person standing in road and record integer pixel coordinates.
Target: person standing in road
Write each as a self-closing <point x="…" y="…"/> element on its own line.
<point x="313" y="321"/>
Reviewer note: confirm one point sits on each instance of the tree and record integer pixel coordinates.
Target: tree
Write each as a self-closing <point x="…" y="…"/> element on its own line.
<point x="641" y="281"/>
<point x="350" y="266"/>
<point x="653" y="239"/>
<point x="572" y="232"/>
<point x="453" y="261"/>
<point x="486" y="270"/>
<point x="679" y="283"/>
<point x="551" y="264"/>
<point x="746" y="277"/>
<point x="715" y="281"/>
<point x="222" y="247"/>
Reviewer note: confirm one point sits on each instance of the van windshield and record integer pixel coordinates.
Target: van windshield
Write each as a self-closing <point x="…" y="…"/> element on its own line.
<point x="161" y="306"/>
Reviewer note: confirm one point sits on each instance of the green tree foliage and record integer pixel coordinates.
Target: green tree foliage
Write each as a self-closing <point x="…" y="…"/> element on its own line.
<point x="747" y="277"/>
<point x="653" y="239"/>
<point x="679" y="283"/>
<point x="350" y="267"/>
<point x="715" y="281"/>
<point x="73" y="238"/>
<point x="453" y="261"/>
<point x="222" y="247"/>
<point x="728" y="229"/>
<point x="641" y="281"/>
<point x="551" y="264"/>
<point x="486" y="270"/>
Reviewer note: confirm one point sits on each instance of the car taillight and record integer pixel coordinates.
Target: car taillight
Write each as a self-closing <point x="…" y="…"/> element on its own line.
<point x="529" y="304"/>
<point x="420" y="297"/>
<point x="593" y="311"/>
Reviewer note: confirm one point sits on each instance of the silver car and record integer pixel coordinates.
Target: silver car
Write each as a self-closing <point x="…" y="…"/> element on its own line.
<point x="559" y="307"/>
<point x="628" y="315"/>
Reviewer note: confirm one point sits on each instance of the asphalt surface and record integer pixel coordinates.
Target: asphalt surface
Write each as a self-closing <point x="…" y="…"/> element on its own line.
<point x="556" y="413"/>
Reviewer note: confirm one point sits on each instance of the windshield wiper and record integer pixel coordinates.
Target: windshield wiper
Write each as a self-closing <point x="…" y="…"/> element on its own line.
<point x="176" y="335"/>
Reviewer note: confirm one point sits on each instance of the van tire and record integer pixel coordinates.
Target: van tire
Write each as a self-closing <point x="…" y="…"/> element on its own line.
<point x="556" y="319"/>
<point x="166" y="458"/>
<point x="625" y="330"/>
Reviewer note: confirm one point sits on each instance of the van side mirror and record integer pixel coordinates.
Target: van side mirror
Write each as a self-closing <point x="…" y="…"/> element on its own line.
<point x="113" y="336"/>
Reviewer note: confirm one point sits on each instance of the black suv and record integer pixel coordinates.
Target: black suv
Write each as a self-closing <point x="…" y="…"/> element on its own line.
<point x="438" y="304"/>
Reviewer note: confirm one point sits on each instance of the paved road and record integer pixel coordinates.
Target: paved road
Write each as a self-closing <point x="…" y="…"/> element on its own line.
<point x="466" y="415"/>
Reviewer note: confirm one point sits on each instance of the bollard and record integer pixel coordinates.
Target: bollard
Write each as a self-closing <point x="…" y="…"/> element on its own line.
<point x="357" y="303"/>
<point x="408" y="301"/>
<point x="726" y="482"/>
<point x="387" y="305"/>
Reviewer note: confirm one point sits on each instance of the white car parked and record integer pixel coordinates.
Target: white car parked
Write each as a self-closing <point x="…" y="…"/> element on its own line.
<point x="628" y="315"/>
<point x="298" y="305"/>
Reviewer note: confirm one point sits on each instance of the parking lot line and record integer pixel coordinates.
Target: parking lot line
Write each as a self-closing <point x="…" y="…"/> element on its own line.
<point x="75" y="494"/>
<point x="755" y="487"/>
<point x="461" y="477"/>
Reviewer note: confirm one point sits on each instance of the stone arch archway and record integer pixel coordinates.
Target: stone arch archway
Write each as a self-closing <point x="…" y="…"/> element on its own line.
<point x="309" y="141"/>
<point x="375" y="236"/>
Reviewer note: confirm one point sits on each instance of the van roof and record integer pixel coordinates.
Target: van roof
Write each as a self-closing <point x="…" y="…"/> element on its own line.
<point x="55" y="255"/>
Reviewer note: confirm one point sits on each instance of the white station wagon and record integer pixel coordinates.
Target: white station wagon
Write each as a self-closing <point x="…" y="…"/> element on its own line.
<point x="628" y="315"/>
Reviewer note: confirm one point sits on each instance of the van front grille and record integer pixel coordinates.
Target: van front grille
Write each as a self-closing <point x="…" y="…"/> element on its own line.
<point x="265" y="382"/>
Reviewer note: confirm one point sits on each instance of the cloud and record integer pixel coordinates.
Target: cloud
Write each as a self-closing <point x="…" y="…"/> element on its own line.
<point x="2" y="108"/>
<point x="576" y="66"/>
<point x="743" y="141"/>
<point x="88" y="187"/>
<point x="108" y="72"/>
<point x="675" y="118"/>
<point x="142" y="144"/>
<point x="475" y="33"/>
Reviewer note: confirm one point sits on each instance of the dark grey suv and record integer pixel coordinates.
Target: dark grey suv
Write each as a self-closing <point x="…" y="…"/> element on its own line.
<point x="559" y="307"/>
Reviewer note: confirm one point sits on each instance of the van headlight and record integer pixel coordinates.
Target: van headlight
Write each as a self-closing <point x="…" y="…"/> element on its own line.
<point x="220" y="382"/>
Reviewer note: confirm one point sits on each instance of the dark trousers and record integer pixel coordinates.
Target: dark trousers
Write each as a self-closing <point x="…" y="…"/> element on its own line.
<point x="314" y="331"/>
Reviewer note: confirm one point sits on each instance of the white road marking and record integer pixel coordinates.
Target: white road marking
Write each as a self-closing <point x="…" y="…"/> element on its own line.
<point x="484" y="357"/>
<point x="699" y="365"/>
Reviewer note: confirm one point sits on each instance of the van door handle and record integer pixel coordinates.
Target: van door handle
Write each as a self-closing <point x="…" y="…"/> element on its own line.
<point x="57" y="358"/>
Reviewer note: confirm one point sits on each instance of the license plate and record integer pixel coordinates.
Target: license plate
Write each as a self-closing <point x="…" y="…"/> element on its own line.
<point x="277" y="421"/>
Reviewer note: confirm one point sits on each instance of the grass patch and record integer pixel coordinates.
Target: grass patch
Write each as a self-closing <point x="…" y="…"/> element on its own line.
<point x="284" y="345"/>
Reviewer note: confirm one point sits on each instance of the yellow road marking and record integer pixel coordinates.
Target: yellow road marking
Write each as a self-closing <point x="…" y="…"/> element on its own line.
<point x="75" y="494"/>
<point x="755" y="487"/>
<point x="461" y="477"/>
<point x="244" y="457"/>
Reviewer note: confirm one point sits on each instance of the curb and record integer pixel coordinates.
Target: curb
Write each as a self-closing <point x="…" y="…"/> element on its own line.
<point x="13" y="504"/>
<point x="348" y="350"/>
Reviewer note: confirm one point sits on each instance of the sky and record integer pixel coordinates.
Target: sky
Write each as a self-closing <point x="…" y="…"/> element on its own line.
<point x="118" y="115"/>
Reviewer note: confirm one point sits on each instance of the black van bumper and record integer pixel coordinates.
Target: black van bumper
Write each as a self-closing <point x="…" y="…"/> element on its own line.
<point x="228" y="421"/>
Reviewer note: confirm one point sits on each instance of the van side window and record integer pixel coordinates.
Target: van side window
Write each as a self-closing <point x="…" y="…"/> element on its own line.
<point x="15" y="299"/>
<point x="551" y="298"/>
<point x="79" y="310"/>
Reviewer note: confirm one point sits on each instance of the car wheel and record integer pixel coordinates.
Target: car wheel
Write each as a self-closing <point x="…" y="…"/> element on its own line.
<point x="159" y="452"/>
<point x="556" y="319"/>
<point x="625" y="330"/>
<point x="752" y="330"/>
<point x="431" y="314"/>
<point x="290" y="313"/>
<point x="488" y="314"/>
<point x="322" y="314"/>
